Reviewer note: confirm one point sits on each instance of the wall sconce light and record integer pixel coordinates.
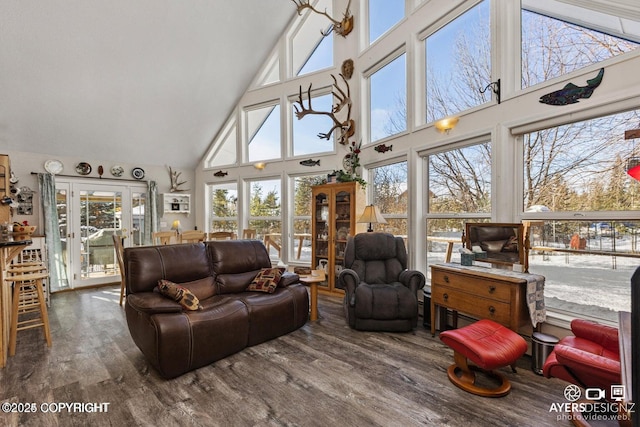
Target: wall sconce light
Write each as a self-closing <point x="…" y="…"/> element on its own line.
<point x="445" y="125"/>
<point x="372" y="215"/>
<point x="259" y="165"/>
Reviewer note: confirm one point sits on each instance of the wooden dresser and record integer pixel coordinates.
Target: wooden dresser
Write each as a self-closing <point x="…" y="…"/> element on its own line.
<point x="480" y="292"/>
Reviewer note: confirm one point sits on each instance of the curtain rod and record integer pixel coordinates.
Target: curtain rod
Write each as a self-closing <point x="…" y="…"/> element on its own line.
<point x="97" y="177"/>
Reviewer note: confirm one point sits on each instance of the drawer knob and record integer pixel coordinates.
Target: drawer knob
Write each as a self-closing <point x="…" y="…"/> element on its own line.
<point x="446" y="279"/>
<point x="445" y="296"/>
<point x="492" y="310"/>
<point x="492" y="289"/>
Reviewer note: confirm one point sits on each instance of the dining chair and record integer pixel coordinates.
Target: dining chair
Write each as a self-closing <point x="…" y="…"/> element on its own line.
<point x="249" y="233"/>
<point x="117" y="244"/>
<point x="222" y="235"/>
<point x="192" y="236"/>
<point x="164" y="237"/>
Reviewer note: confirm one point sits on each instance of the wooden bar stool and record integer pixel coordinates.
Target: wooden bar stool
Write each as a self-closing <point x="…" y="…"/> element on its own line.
<point x="28" y="297"/>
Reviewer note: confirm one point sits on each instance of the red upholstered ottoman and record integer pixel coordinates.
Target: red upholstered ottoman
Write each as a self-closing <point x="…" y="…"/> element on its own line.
<point x="488" y="345"/>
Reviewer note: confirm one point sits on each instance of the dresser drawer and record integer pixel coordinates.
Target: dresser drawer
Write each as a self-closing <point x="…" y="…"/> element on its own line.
<point x="478" y="286"/>
<point x="473" y="305"/>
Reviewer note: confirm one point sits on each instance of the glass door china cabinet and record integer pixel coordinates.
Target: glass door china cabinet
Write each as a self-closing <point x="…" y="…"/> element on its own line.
<point x="334" y="214"/>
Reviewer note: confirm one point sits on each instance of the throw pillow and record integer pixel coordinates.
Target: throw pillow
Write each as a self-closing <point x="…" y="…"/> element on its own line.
<point x="179" y="294"/>
<point x="266" y="280"/>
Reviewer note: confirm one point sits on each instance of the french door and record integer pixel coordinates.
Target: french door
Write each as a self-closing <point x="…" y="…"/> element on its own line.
<point x="90" y="213"/>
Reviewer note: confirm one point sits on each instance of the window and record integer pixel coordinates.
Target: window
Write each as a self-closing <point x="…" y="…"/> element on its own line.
<point x="310" y="50"/>
<point x="305" y="130"/>
<point x="458" y="62"/>
<point x="223" y="209"/>
<point x="388" y="89"/>
<point x="263" y="125"/>
<point x="265" y="215"/>
<point x="321" y="56"/>
<point x="383" y="14"/>
<point x="390" y="195"/>
<point x="552" y="46"/>
<point x="301" y="239"/>
<point x="270" y="73"/>
<point x="224" y="149"/>
<point x="579" y="170"/>
<point x="459" y="191"/>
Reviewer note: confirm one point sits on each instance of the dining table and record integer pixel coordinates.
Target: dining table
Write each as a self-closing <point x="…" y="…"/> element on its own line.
<point x="10" y="247"/>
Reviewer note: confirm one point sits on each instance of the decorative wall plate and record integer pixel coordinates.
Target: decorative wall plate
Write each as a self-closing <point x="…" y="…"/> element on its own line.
<point x="53" y="166"/>
<point x="347" y="163"/>
<point x="137" y="173"/>
<point x="83" y="168"/>
<point x="117" y="171"/>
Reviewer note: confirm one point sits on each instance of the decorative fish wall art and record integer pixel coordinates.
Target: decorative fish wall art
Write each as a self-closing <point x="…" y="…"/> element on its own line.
<point x="310" y="162"/>
<point x="570" y="94"/>
<point x="383" y="148"/>
<point x="220" y="174"/>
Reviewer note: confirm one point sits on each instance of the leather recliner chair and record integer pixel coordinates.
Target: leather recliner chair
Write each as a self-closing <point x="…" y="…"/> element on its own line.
<point x="590" y="358"/>
<point x="380" y="292"/>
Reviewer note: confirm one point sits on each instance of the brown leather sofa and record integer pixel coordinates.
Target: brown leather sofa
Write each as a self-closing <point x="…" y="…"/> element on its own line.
<point x="176" y="341"/>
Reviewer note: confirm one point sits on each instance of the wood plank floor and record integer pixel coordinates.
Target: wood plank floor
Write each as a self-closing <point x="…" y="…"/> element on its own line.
<point x="323" y="374"/>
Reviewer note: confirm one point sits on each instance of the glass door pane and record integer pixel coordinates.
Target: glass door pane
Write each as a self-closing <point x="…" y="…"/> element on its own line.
<point x="138" y="204"/>
<point x="62" y="206"/>
<point x="342" y="225"/>
<point x="100" y="218"/>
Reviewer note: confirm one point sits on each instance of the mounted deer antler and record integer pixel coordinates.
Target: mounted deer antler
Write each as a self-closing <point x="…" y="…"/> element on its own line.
<point x="343" y="27"/>
<point x="347" y="127"/>
<point x="174" y="176"/>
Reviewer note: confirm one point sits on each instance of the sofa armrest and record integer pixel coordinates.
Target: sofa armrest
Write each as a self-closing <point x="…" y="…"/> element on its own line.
<point x="152" y="303"/>
<point x="412" y="279"/>
<point x="288" y="278"/>
<point x="606" y="336"/>
<point x="349" y="281"/>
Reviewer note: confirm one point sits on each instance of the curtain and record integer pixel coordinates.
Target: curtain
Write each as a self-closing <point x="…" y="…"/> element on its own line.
<point x="57" y="270"/>
<point x="151" y="213"/>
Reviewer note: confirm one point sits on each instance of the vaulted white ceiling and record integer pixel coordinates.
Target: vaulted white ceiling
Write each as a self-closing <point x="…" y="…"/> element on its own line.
<point x="141" y="81"/>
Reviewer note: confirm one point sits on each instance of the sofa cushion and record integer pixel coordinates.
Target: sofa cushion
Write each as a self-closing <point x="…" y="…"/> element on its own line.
<point x="145" y="265"/>
<point x="236" y="263"/>
<point x="179" y="294"/>
<point x="266" y="280"/>
<point x="201" y="288"/>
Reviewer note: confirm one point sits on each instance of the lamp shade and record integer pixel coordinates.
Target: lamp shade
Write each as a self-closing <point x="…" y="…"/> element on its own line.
<point x="372" y="215"/>
<point x="175" y="225"/>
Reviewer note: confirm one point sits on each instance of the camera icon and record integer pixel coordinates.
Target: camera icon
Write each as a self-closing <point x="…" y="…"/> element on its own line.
<point x="594" y="394"/>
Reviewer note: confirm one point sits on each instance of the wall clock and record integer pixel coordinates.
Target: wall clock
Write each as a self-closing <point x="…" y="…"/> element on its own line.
<point x="137" y="173"/>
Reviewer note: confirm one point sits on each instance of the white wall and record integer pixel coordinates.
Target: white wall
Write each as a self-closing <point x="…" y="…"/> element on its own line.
<point x="23" y="163"/>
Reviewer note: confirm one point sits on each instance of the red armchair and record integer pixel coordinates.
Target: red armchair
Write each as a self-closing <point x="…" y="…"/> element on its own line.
<point x="591" y="358"/>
